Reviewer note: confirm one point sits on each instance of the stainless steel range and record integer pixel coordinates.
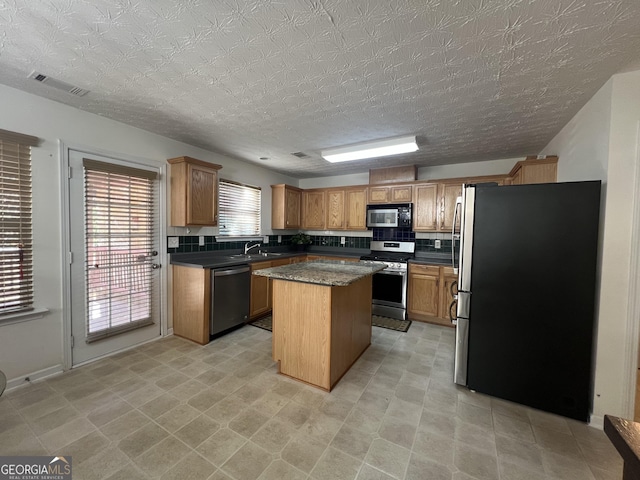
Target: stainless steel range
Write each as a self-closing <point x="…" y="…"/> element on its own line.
<point x="390" y="285"/>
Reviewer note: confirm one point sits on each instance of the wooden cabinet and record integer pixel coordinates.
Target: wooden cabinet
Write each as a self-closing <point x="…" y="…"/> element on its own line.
<point x="346" y="209"/>
<point x="448" y="193"/>
<point x="535" y="170"/>
<point x="355" y="210"/>
<point x="390" y="194"/>
<point x="191" y="303"/>
<point x="261" y="287"/>
<point x="260" y="292"/>
<point x="313" y="209"/>
<point x="425" y="211"/>
<point x="449" y="282"/>
<point x="194" y="192"/>
<point x="423" y="291"/>
<point x="335" y="210"/>
<point x="286" y="202"/>
<point x="430" y="293"/>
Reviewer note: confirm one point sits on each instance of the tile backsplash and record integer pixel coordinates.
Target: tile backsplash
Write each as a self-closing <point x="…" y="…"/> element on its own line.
<point x="190" y="243"/>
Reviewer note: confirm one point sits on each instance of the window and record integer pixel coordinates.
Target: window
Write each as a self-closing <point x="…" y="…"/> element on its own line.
<point x="240" y="207"/>
<point x="16" y="245"/>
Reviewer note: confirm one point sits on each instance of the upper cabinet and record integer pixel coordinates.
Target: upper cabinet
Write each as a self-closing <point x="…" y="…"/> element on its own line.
<point x="448" y="194"/>
<point x="346" y="208"/>
<point x="390" y="194"/>
<point x="313" y="209"/>
<point x="286" y="207"/>
<point x="194" y="192"/>
<point x="425" y="211"/>
<point x="535" y="170"/>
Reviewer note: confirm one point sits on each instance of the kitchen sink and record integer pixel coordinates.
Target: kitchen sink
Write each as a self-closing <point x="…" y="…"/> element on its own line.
<point x="250" y="256"/>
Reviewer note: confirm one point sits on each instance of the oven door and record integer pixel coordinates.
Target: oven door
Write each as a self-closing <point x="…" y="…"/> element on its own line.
<point x="390" y="289"/>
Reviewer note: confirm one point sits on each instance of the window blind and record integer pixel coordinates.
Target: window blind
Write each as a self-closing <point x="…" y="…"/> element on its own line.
<point x="119" y="242"/>
<point x="16" y="244"/>
<point x="239" y="208"/>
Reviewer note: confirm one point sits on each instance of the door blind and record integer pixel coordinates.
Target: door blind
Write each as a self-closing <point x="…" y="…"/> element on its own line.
<point x="119" y="243"/>
<point x="16" y="249"/>
<point x="240" y="207"/>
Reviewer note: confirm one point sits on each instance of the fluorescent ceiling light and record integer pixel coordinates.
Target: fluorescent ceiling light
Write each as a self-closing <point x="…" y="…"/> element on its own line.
<point x="380" y="148"/>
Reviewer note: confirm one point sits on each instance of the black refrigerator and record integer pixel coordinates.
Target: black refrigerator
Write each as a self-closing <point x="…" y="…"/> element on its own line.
<point x="526" y="293"/>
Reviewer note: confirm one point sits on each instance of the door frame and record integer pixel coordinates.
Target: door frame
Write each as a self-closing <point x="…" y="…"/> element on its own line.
<point x="64" y="149"/>
<point x="633" y="302"/>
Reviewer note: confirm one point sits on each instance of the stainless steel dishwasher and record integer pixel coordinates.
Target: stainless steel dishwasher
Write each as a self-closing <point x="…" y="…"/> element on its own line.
<point x="230" y="298"/>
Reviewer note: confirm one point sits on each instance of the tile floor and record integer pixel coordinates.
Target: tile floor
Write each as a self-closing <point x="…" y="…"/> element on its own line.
<point x="174" y="410"/>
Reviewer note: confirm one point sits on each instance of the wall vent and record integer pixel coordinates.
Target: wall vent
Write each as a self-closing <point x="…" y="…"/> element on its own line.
<point x="60" y="85"/>
<point x="300" y="155"/>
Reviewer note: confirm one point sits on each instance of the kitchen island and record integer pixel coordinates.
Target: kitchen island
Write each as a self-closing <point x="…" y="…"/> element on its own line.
<point x="321" y="318"/>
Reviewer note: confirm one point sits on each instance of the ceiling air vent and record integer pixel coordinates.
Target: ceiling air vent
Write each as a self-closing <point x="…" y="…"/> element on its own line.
<point x="300" y="155"/>
<point x="60" y="85"/>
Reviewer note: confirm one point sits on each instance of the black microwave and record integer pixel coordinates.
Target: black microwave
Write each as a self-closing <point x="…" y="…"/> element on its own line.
<point x="396" y="215"/>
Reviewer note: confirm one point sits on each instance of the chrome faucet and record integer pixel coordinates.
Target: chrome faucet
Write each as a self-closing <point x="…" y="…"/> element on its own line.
<point x="247" y="247"/>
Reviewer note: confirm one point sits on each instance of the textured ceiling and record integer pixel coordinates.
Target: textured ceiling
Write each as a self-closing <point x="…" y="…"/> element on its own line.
<point x="474" y="79"/>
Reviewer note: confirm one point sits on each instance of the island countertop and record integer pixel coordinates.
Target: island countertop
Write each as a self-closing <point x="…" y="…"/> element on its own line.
<point x="334" y="273"/>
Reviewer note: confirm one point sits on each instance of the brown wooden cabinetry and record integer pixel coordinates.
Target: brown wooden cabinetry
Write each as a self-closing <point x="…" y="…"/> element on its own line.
<point x="261" y="302"/>
<point x="346" y="208"/>
<point x="430" y="293"/>
<point x="425" y="211"/>
<point x="286" y="202"/>
<point x="313" y="209"/>
<point x="194" y="192"/>
<point x="534" y="170"/>
<point x="448" y="193"/>
<point x="423" y="291"/>
<point x="191" y="303"/>
<point x="260" y="292"/>
<point x="390" y="194"/>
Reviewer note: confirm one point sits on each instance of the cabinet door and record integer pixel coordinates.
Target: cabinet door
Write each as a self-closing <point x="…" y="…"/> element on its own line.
<point x="379" y="194"/>
<point x="202" y="195"/>
<point x="356" y="209"/>
<point x="293" y="199"/>
<point x="401" y="194"/>
<point x="313" y="210"/>
<point x="260" y="291"/>
<point x="423" y="293"/>
<point x="449" y="283"/>
<point x="335" y="210"/>
<point x="425" y="213"/>
<point x="449" y="192"/>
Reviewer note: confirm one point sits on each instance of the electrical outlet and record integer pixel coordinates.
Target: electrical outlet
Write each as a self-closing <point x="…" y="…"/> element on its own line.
<point x="201" y="240"/>
<point x="266" y="239"/>
<point x="437" y="244"/>
<point x="343" y="240"/>
<point x="279" y="238"/>
<point x="174" y="242"/>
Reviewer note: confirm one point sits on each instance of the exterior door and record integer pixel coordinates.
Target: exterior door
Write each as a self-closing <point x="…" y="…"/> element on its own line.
<point x="114" y="239"/>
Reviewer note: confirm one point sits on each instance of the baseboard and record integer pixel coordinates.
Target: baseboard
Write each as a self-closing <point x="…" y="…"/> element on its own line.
<point x="31" y="377"/>
<point x="597" y="422"/>
<point x="169" y="332"/>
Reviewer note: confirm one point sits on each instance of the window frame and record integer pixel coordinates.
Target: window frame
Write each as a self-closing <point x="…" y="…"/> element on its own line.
<point x="16" y="157"/>
<point x="223" y="210"/>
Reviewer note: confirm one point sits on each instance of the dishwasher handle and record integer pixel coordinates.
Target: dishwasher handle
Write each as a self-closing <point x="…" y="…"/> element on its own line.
<point x="230" y="271"/>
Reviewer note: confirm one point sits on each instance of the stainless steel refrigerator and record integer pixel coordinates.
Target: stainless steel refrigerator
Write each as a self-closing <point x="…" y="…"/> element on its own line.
<point x="526" y="293"/>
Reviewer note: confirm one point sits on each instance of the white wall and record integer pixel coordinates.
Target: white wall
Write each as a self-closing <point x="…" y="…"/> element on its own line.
<point x="600" y="142"/>
<point x="491" y="167"/>
<point x="37" y="344"/>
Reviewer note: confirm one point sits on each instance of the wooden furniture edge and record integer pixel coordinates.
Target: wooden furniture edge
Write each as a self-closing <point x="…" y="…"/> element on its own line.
<point x="194" y="161"/>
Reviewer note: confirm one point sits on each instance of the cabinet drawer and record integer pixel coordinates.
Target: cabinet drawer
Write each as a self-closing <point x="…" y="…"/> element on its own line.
<point x="424" y="269"/>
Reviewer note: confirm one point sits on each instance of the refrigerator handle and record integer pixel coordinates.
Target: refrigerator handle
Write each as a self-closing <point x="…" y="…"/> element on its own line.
<point x="455" y="236"/>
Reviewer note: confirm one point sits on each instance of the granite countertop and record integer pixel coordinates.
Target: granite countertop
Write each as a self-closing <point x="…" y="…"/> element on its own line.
<point x="334" y="273"/>
<point x="230" y="258"/>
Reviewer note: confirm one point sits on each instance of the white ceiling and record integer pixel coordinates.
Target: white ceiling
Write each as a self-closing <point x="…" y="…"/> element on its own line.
<point x="474" y="79"/>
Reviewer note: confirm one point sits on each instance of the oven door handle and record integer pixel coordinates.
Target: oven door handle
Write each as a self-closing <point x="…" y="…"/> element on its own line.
<point x="384" y="272"/>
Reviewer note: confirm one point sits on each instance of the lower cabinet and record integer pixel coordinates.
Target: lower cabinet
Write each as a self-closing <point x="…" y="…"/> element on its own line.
<point x="430" y="291"/>
<point x="261" y="287"/>
<point x="191" y="303"/>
